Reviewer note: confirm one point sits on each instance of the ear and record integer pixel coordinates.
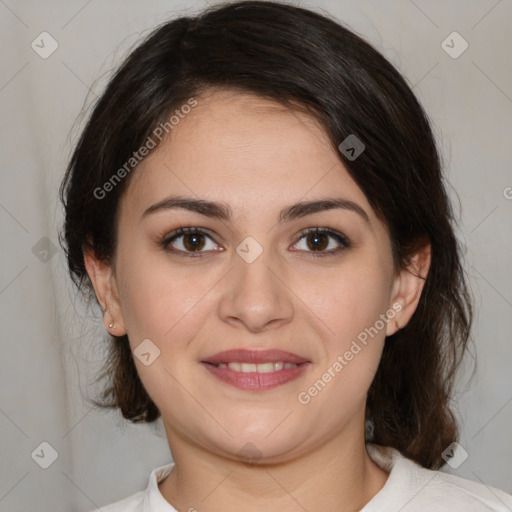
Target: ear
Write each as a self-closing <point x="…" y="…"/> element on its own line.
<point x="104" y="282"/>
<point x="407" y="288"/>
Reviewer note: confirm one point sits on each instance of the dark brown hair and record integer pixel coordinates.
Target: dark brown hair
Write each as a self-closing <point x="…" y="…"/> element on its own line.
<point x="301" y="59"/>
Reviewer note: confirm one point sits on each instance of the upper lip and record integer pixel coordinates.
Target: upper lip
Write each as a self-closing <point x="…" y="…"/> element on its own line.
<point x="241" y="355"/>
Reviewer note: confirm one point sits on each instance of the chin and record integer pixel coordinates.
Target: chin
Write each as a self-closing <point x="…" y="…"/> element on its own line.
<point x="268" y="446"/>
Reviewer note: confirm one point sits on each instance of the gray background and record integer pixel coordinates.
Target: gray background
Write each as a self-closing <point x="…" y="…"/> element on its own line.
<point x="52" y="345"/>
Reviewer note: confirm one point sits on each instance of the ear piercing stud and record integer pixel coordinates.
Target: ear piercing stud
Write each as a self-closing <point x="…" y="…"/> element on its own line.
<point x="111" y="325"/>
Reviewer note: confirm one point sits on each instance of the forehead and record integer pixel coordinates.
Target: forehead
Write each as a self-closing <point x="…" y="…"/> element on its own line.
<point x="239" y="125"/>
<point x="244" y="150"/>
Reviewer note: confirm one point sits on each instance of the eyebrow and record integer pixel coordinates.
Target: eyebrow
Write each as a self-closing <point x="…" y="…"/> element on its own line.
<point x="222" y="211"/>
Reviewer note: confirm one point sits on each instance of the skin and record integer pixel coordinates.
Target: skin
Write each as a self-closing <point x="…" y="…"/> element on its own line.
<point x="257" y="157"/>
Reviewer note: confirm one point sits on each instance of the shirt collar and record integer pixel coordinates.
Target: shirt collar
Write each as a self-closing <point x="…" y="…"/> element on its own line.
<point x="154" y="501"/>
<point x="402" y="473"/>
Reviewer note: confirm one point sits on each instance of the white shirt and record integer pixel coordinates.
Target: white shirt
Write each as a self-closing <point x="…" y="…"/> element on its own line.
<point x="409" y="488"/>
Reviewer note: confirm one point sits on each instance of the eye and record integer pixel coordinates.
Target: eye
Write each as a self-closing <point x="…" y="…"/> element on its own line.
<point x="187" y="241"/>
<point x="318" y="240"/>
<point x="193" y="242"/>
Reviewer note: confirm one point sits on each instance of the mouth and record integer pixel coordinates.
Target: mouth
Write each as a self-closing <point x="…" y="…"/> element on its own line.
<point x="256" y="370"/>
<point x="270" y="367"/>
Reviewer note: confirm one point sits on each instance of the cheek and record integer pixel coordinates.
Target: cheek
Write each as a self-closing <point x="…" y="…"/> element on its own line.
<point x="159" y="302"/>
<point x="353" y="300"/>
<point x="352" y="310"/>
<point x="164" y="307"/>
<point x="351" y="305"/>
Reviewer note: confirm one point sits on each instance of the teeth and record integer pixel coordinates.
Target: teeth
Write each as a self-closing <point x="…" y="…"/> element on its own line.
<point x="269" y="367"/>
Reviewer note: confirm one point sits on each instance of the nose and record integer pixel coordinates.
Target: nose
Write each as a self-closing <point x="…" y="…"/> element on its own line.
<point x="256" y="295"/>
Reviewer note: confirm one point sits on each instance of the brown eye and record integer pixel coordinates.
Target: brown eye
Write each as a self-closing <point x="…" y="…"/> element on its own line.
<point x="193" y="241"/>
<point x="317" y="241"/>
<point x="322" y="241"/>
<point x="189" y="242"/>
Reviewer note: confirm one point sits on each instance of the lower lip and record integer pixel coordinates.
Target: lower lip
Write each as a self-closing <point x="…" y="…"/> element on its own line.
<point x="254" y="381"/>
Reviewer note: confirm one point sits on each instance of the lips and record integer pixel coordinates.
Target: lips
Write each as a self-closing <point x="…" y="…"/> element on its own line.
<point x="254" y="357"/>
<point x="256" y="370"/>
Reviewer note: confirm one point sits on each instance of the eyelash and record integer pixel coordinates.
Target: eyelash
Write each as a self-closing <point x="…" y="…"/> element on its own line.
<point x="342" y="239"/>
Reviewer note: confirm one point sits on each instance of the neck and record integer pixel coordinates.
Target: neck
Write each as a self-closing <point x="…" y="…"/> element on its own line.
<point x="339" y="475"/>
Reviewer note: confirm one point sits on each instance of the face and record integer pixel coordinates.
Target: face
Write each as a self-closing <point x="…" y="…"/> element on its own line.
<point x="255" y="279"/>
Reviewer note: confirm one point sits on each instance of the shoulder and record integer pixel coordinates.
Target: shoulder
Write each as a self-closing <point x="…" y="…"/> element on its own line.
<point x="148" y="499"/>
<point x="134" y="503"/>
<point x="450" y="492"/>
<point x="411" y="487"/>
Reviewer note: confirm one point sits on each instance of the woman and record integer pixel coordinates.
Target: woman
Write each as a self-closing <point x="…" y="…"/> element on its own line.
<point x="257" y="203"/>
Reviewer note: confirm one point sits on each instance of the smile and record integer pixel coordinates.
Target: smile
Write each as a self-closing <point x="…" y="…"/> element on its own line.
<point x="256" y="377"/>
<point x="258" y="368"/>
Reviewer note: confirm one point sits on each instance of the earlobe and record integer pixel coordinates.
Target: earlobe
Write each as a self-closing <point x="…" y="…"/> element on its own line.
<point x="408" y="287"/>
<point x="104" y="283"/>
